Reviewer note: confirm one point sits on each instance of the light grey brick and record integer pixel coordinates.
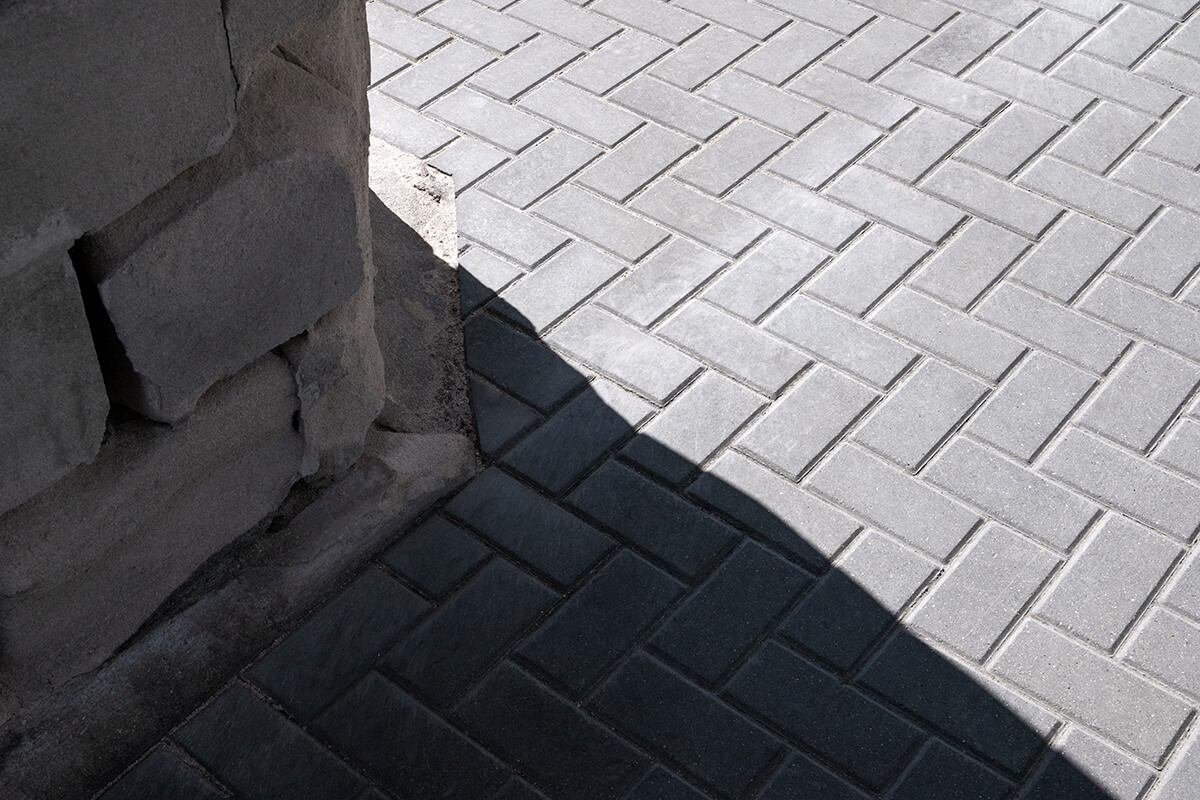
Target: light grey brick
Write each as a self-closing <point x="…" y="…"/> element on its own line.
<point x="837" y="15"/>
<point x="1091" y="10"/>
<point x="551" y="291"/>
<point x="932" y="88"/>
<point x="1186" y="39"/>
<point x="972" y="261"/>
<point x="536" y="60"/>
<point x="765" y="276"/>
<point x="928" y="14"/>
<point x="693" y="427"/>
<point x="1176" y="8"/>
<point x="764" y="103"/>
<point x="1145" y="314"/>
<point x="601" y="222"/>
<point x="918" y="414"/>
<point x="876" y="47"/>
<point x="992" y="199"/>
<point x="1183" y="593"/>
<point x="1168" y="647"/>
<point x="490" y="120"/>
<point x="1032" y="88"/>
<point x="510" y="233"/>
<point x="1010" y="140"/>
<point x="1175" y="139"/>
<point x="692" y="214"/>
<point x="1102" y="137"/>
<point x="1069" y="257"/>
<point x="702" y="57"/>
<point x="891" y="572"/>
<point x="437" y="74"/>
<point x="1127" y="36"/>
<point x="1061" y="330"/>
<point x="580" y="112"/>
<point x="787" y="53"/>
<point x="657" y="285"/>
<point x="541" y="168"/>
<point x="673" y="108"/>
<point x="1178" y="71"/>
<point x="748" y="18"/>
<point x="481" y="25"/>
<point x="958" y="45"/>
<point x="565" y="20"/>
<point x="624" y="353"/>
<point x="924" y="140"/>
<point x="1085" y="192"/>
<point x="736" y="348"/>
<point x="406" y="129"/>
<point x="660" y="19"/>
<point x="914" y="212"/>
<point x="468" y="160"/>
<point x="798" y="210"/>
<point x="1116" y="702"/>
<point x="1137" y="401"/>
<point x="1010" y="492"/>
<point x="636" y="161"/>
<point x="409" y="37"/>
<point x="804" y="422"/>
<point x="411" y="6"/>
<point x="892" y="500"/>
<point x="1031" y="405"/>
<point x="615" y="62"/>
<point x="1107" y="581"/>
<point x="1126" y="482"/>
<point x="1177" y="186"/>
<point x="985" y="589"/>
<point x="851" y="96"/>
<point x="1109" y="770"/>
<point x="733" y="155"/>
<point x="1165" y="255"/>
<point x="1116" y="84"/>
<point x="1013" y="13"/>
<point x="842" y="341"/>
<point x="483" y="275"/>
<point x="1183" y="775"/>
<point x="948" y="333"/>
<point x="1040" y="43"/>
<point x="1181" y="448"/>
<point x="876" y="262"/>
<point x="775" y="509"/>
<point x="824" y="150"/>
<point x="385" y="63"/>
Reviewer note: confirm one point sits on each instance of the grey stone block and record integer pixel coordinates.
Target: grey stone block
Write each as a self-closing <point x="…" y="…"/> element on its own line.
<point x="488" y="119"/>
<point x="1167" y="647"/>
<point x="666" y="22"/>
<point x="1180" y="778"/>
<point x="672" y="107"/>
<point x="896" y="204"/>
<point x="1160" y="179"/>
<point x="715" y="224"/>
<point x="959" y="44"/>
<point x="1181" y="448"/>
<point x="1083" y="764"/>
<point x="941" y="772"/>
<point x="1117" y="84"/>
<point x="765" y="276"/>
<point x="1137" y="401"/>
<point x="1009" y="141"/>
<point x="617" y="60"/>
<point x="702" y="57"/>
<point x="1128" y="35"/>
<point x="1069" y="257"/>
<point x="1102" y="137"/>
<point x="1085" y="192"/>
<point x="1033" y="88"/>
<point x="519" y="71"/>
<point x="824" y="150"/>
<point x="540" y="169"/>
<point x="406" y="35"/>
<point x="556" y="287"/>
<point x="874" y="49"/>
<point x="1146" y="314"/>
<point x="749" y="19"/>
<point x="798" y="210"/>
<point x="580" y="111"/>
<point x="969" y="263"/>
<point x="385" y="63"/>
<point x="659" y="283"/>
<point x="933" y="88"/>
<point x="868" y="269"/>
<point x="923" y="141"/>
<point x="730" y="157"/>
<point x="766" y="104"/>
<point x="499" y="417"/>
<point x="435" y="558"/>
<point x="635" y="162"/>
<point x="407" y="130"/>
<point x="1044" y="40"/>
<point x="832" y="14"/>
<point x="519" y="364"/>
<point x="565" y="20"/>
<point x="467" y="160"/>
<point x="1165" y="255"/>
<point x="505" y="230"/>
<point x="254" y="28"/>
<point x="439" y="73"/>
<point x="165" y="775"/>
<point x="786" y="54"/>
<point x="992" y="199"/>
<point x="481" y="25"/>
<point x="601" y="222"/>
<point x="853" y="97"/>
<point x="1173" y="140"/>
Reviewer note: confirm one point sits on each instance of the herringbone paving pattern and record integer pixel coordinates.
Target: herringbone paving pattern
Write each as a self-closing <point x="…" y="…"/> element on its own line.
<point x="837" y="366"/>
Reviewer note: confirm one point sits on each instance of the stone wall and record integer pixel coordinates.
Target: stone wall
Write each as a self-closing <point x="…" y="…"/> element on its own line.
<point x="187" y="301"/>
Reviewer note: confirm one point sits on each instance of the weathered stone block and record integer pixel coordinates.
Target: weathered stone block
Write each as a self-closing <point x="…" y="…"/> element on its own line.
<point x="101" y="104"/>
<point x="240" y="253"/>
<point x="337" y="50"/>
<point x="256" y="26"/>
<point x="50" y="385"/>
<point x="87" y="561"/>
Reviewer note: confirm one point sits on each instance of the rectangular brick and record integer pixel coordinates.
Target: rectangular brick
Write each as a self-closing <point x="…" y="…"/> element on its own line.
<point x="1168" y="648"/>
<point x="635" y="162"/>
<point x="992" y="199"/>
<point x="518" y="363"/>
<point x="948" y="333"/>
<point x="1181" y="448"/>
<point x="536" y="60"/>
<point x="540" y="169"/>
<point x="914" y="212"/>
<point x="1087" y="193"/>
<point x="1114" y="701"/>
<point x="467" y="160"/>
<point x="384" y="63"/>
<point x="1044" y="40"/>
<point x="1174" y="139"/>
<point x="1173" y="69"/>
<point x="1011" y="493"/>
<point x="437" y="74"/>
<point x="565" y="20"/>
<point x="969" y="263"/>
<point x="895" y="502"/>
<point x="615" y="62"/>
<point x="1069" y="257"/>
<point x="684" y="210"/>
<point x="667" y="22"/>
<point x="728" y="613"/>
<point x="793" y="49"/>
<point x="164" y="775"/>
<point x="1137" y="401"/>
<point x="693" y="427"/>
<point x="661" y="783"/>
<point x="923" y="141"/>
<point x="1032" y="88"/>
<point x="877" y="261"/>
<point x="1177" y="186"/>
<point x="959" y="44"/>
<point x="875" y="48"/>
<point x="842" y="341"/>
<point x="1127" y="36"/>
<point x="581" y="112"/>
<point x="837" y="15"/>
<point x="1130" y="484"/>
<point x="808" y="419"/>
<point x="672" y="107"/>
<point x="1165" y="255"/>
<point x="1013" y="13"/>
<point x="506" y="230"/>
<point x="918" y="414"/>
<point x="733" y="155"/>
<point x="409" y="37"/>
<point x="1102" y="137"/>
<point x="499" y="418"/>
<point x="1145" y="314"/>
<point x="800" y="775"/>
<point x="406" y="129"/>
<point x="748" y="18"/>
<point x="1031" y="405"/>
<point x="659" y="283"/>
<point x="1010" y="140"/>
<point x="941" y="770"/>
<point x="825" y="150"/>
<point x="766" y="104"/>
<point x="851" y="96"/>
<point x="798" y="210"/>
<point x="602" y="223"/>
<point x="932" y="88"/>
<point x="1091" y="10"/>
<point x="984" y="591"/>
<point x="481" y="25"/>
<point x="493" y="121"/>
<point x="733" y="346"/>
<point x="1081" y="763"/>
<point x="600" y="622"/>
<point x="624" y="353"/>
<point x="1063" y="331"/>
<point x="1116" y="84"/>
<point x="928" y="14"/>
<point x="701" y="57"/>
<point x="1181" y="777"/>
<point x="765" y="276"/>
<point x="435" y="557"/>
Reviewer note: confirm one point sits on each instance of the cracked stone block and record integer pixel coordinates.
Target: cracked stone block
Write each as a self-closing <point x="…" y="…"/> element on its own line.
<point x="256" y="26"/>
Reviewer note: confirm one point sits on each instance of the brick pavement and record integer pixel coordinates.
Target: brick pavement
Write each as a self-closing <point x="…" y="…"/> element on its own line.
<point x="837" y="367"/>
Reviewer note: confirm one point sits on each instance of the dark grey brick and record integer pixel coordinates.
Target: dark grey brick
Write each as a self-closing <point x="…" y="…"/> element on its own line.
<point x="603" y="223"/>
<point x="580" y="111"/>
<point x="712" y="223"/>
<point x="459" y="641"/>
<point x="505" y="230"/>
<point x="1085" y="768"/>
<point x="969" y="263"/>
<point x="1103" y="136"/>
<point x="824" y="150"/>
<point x="920" y="143"/>
<point x="660" y="282"/>
<point x="491" y="120"/>
<point x="339" y="643"/>
<point x="526" y="179"/>
<point x="876" y="262"/>
<point x="662" y="785"/>
<point x="517" y="789"/>
<point x="1085" y="192"/>
<point x="1137" y="401"/>
<point x="941" y="773"/>
<point x="664" y="21"/>
<point x="1069" y="257"/>
<point x="875" y="48"/>
<point x="1117" y="84"/>
<point x="436" y="556"/>
<point x="1165" y="255"/>
<point x="689" y="726"/>
<point x="162" y="775"/>
<point x="472" y="21"/>
<point x="853" y="97"/>
<point x="1145" y="314"/>
<point x="615" y="62"/>
<point x="525" y="68"/>
<point x="601" y="622"/>
<point x="803" y="777"/>
<point x="1010" y="140"/>
<point x="814" y="709"/>
<point x="530" y="527"/>
<point x="766" y="104"/>
<point x="728" y="614"/>
<point x="523" y="366"/>
<point x="1032" y="87"/>
<point x="742" y="16"/>
<point x="798" y="210"/>
<point x="1166" y="647"/>
<point x="499" y="417"/>
<point x="1044" y="40"/>
<point x="787" y="53"/>
<point x="733" y="155"/>
<point x="258" y="752"/>
<point x="405" y="746"/>
<point x="437" y="74"/>
<point x="932" y="88"/>
<point x="556" y="287"/>
<point x="558" y="453"/>
<point x="407" y="36"/>
<point x="959" y="44"/>
<point x="765" y="276"/>
<point x="672" y="107"/>
<point x="635" y="162"/>
<point x="702" y="56"/>
<point x="654" y="520"/>
<point x="406" y="129"/>
<point x="990" y="198"/>
<point x="565" y="20"/>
